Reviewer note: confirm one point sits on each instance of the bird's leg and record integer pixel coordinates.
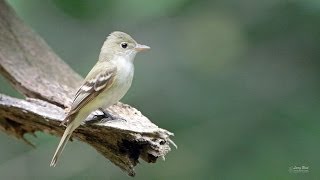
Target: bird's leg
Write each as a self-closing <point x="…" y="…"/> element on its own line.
<point x="107" y="114"/>
<point x="99" y="117"/>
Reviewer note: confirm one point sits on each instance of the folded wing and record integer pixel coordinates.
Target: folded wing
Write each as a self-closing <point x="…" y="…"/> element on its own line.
<point x="96" y="82"/>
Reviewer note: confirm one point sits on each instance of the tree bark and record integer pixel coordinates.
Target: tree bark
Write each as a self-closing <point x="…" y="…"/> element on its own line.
<point x="48" y="84"/>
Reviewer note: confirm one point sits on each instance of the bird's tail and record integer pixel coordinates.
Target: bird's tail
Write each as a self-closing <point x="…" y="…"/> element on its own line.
<point x="65" y="138"/>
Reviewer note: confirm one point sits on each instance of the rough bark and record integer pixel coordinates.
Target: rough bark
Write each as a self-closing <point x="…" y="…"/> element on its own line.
<point x="33" y="69"/>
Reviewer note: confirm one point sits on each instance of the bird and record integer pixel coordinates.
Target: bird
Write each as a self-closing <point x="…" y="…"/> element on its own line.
<point x="106" y="83"/>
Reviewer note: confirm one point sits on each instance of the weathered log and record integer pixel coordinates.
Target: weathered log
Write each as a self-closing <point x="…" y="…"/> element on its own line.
<point x="48" y="84"/>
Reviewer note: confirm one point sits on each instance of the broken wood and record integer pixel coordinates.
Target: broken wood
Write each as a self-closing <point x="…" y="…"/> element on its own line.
<point x="48" y="84"/>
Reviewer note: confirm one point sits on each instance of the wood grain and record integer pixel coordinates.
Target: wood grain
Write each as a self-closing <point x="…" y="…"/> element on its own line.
<point x="48" y="84"/>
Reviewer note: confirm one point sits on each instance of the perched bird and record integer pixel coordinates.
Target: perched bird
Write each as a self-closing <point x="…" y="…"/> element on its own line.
<point x="107" y="82"/>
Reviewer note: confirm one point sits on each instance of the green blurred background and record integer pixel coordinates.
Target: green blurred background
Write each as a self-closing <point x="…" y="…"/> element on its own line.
<point x="236" y="81"/>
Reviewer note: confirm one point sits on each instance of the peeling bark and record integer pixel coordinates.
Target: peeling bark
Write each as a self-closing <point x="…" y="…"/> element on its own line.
<point x="48" y="84"/>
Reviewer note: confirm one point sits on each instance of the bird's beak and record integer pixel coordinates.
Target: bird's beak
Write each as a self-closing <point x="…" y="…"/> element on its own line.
<point x="140" y="47"/>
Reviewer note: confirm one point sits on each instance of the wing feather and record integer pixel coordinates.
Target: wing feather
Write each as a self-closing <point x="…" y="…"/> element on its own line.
<point x="90" y="89"/>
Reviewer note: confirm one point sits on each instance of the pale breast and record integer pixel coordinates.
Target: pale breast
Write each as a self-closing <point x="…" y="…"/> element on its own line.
<point x="121" y="85"/>
<point x="119" y="88"/>
<point x="125" y="70"/>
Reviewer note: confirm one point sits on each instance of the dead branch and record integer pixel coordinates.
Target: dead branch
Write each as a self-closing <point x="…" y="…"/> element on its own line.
<point x="48" y="84"/>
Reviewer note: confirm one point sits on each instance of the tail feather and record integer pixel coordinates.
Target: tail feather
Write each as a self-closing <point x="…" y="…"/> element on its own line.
<point x="65" y="138"/>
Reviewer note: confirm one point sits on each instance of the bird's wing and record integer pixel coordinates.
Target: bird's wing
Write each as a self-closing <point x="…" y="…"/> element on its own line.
<point x="96" y="81"/>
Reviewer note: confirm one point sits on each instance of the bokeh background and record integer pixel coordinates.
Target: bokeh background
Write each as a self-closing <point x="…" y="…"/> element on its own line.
<point x="236" y="81"/>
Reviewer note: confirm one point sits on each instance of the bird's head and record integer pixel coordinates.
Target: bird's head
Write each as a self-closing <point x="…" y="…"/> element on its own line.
<point x="121" y="44"/>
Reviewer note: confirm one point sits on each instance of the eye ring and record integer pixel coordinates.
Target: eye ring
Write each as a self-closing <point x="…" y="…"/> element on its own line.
<point x="124" y="45"/>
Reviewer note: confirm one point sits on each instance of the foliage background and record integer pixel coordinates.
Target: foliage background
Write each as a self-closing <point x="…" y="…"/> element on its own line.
<point x="236" y="81"/>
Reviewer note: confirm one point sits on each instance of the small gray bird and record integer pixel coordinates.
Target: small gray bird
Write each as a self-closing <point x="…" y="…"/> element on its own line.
<point x="107" y="82"/>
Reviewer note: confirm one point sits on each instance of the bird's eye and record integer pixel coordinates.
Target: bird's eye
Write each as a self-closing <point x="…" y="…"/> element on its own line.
<point x="124" y="45"/>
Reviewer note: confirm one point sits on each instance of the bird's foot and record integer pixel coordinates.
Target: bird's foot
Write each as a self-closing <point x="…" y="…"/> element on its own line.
<point x="107" y="115"/>
<point x="104" y="117"/>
